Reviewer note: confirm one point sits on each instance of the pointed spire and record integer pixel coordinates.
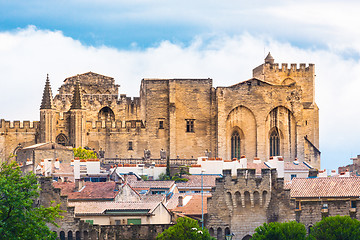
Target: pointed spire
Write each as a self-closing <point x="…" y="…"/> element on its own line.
<point x="269" y="59"/>
<point x="47" y="99"/>
<point x="76" y="102"/>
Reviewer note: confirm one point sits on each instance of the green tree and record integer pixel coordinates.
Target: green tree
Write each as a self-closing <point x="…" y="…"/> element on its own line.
<point x="185" y="229"/>
<point x="19" y="217"/>
<point x="280" y="231"/>
<point x="336" y="228"/>
<point x="83" y="153"/>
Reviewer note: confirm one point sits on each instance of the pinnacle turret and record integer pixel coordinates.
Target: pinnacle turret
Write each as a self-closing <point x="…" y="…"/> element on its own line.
<point x="76" y="102"/>
<point x="269" y="59"/>
<point x="47" y="99"/>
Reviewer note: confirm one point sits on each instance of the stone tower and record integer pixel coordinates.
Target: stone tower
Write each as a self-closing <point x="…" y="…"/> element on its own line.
<point x="77" y="118"/>
<point x="47" y="115"/>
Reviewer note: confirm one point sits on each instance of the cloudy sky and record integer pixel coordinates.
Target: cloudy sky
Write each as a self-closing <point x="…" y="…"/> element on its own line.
<point x="222" y="40"/>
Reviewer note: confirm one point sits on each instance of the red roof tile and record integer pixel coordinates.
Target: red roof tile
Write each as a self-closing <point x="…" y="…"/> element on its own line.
<point x="193" y="207"/>
<point x="91" y="191"/>
<point x="195" y="181"/>
<point x="325" y="187"/>
<point x="101" y="207"/>
<point x="151" y="184"/>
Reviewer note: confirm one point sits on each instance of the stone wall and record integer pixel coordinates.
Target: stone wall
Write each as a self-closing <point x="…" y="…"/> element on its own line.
<point x="311" y="211"/>
<point x="242" y="203"/>
<point x="276" y="98"/>
<point x="78" y="229"/>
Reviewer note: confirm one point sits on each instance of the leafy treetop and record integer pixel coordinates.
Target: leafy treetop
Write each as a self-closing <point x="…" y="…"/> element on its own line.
<point x="20" y="218"/>
<point x="185" y="229"/>
<point x="83" y="153"/>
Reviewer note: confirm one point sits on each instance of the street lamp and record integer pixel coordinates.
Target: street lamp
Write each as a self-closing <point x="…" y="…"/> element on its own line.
<point x="202" y="199"/>
<point x="230" y="236"/>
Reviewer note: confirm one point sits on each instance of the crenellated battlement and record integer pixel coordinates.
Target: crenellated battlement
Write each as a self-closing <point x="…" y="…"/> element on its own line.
<point x="293" y="67"/>
<point x="249" y="173"/>
<point x="115" y="126"/>
<point x="19" y="125"/>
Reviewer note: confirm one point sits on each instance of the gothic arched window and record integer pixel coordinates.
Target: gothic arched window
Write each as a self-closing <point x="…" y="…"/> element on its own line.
<point x="275" y="143"/>
<point x="106" y="114"/>
<point x="61" y="139"/>
<point x="235" y="145"/>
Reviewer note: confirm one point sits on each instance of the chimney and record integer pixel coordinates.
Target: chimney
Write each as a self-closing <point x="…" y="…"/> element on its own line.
<point x="243" y="161"/>
<point x="313" y="173"/>
<point x="79" y="183"/>
<point x="57" y="164"/>
<point x="257" y="160"/>
<point x="28" y="162"/>
<point x="181" y="201"/>
<point x="93" y="166"/>
<point x="322" y="173"/>
<point x="47" y="167"/>
<point x="280" y="167"/>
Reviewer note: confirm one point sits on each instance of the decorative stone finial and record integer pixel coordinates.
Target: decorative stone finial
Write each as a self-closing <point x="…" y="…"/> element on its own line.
<point x="269" y="59"/>
<point x="76" y="102"/>
<point x="47" y="99"/>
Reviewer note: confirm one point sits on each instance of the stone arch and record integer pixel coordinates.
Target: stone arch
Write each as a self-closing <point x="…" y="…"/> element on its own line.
<point x="211" y="231"/>
<point x="256" y="196"/>
<point x="106" y="114"/>
<point x="242" y="120"/>
<point x="62" y="139"/>
<point x="247" y="199"/>
<point x="288" y="81"/>
<point x="227" y="231"/>
<point x="219" y="234"/>
<point x="70" y="235"/>
<point x="274" y="142"/>
<point x="86" y="235"/>
<point x="247" y="237"/>
<point x="238" y="199"/>
<point x="62" y="235"/>
<point x="98" y="92"/>
<point x="18" y="147"/>
<point x="229" y="201"/>
<point x="93" y="235"/>
<point x="280" y="126"/>
<point x="264" y="195"/>
<point x="235" y="145"/>
<point x="107" y="92"/>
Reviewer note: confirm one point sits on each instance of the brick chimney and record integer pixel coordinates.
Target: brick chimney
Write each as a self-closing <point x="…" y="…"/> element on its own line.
<point x="181" y="201"/>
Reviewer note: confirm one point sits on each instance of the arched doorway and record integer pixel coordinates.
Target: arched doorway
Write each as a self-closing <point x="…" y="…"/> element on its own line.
<point x="106" y="114"/>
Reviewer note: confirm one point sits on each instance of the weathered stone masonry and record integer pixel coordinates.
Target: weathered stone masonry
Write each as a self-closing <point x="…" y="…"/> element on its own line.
<point x="273" y="113"/>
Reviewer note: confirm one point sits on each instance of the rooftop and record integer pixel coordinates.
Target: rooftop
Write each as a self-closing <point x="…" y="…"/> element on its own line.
<point x="325" y="187"/>
<point x="101" y="207"/>
<point x="195" y="181"/>
<point x="90" y="191"/>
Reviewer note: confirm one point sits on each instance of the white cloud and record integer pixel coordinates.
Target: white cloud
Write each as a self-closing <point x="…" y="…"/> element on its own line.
<point x="27" y="55"/>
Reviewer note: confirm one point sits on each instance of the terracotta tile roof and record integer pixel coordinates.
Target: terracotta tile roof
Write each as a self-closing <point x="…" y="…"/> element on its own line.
<point x="195" y="181"/>
<point x="193" y="206"/>
<point x="174" y="200"/>
<point x="257" y="167"/>
<point x="153" y="197"/>
<point x="325" y="187"/>
<point x="151" y="184"/>
<point x="91" y="191"/>
<point x="292" y="166"/>
<point x="101" y="207"/>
